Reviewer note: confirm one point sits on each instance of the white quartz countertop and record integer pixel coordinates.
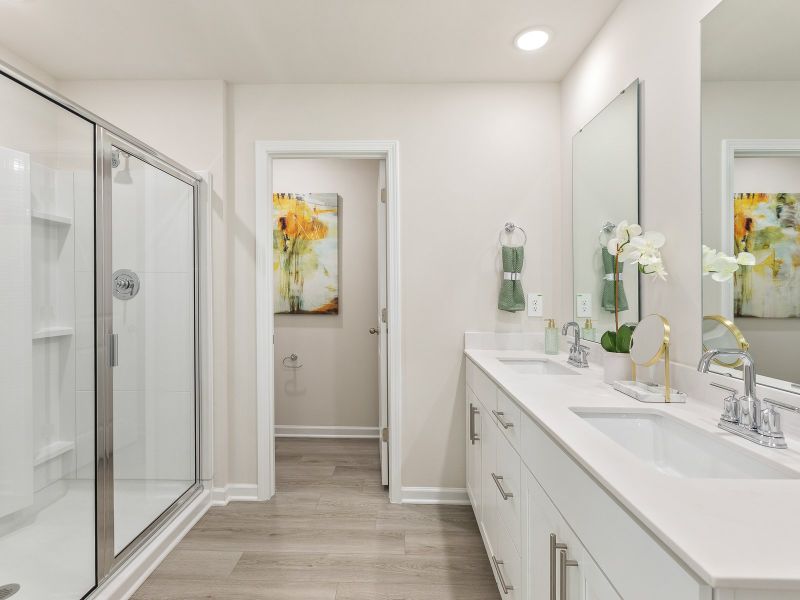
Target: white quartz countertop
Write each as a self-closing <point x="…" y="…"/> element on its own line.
<point x="733" y="533"/>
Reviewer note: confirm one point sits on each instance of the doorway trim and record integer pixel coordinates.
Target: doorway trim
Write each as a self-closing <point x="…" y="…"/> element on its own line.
<point x="266" y="151"/>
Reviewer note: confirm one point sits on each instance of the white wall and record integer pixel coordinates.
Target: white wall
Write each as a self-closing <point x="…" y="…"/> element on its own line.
<point x="337" y="384"/>
<point x="471" y="157"/>
<point x="658" y="42"/>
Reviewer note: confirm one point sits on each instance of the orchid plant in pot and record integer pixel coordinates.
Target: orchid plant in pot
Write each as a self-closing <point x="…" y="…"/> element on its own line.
<point x="630" y="244"/>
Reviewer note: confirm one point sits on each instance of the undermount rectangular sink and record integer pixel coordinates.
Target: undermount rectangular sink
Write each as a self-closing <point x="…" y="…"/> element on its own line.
<point x="679" y="449"/>
<point x="536" y="366"/>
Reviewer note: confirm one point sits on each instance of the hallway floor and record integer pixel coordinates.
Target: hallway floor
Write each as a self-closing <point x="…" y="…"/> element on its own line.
<point x="328" y="534"/>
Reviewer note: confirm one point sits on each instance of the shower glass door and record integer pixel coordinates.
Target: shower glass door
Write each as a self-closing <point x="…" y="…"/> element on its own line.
<point x="150" y="348"/>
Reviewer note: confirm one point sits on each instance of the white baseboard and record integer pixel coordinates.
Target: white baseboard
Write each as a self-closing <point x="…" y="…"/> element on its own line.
<point x="435" y="495"/>
<point x="122" y="584"/>
<point x="325" y="431"/>
<point x="234" y="492"/>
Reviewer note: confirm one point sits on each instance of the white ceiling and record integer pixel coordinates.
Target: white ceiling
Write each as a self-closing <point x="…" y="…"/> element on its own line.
<point x="299" y="41"/>
<point x="747" y="40"/>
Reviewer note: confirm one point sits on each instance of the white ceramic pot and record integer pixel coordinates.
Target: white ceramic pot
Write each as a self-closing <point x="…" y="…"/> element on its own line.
<point x="617" y="367"/>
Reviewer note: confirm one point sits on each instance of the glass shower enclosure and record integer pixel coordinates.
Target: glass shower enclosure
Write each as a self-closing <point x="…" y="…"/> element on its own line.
<point x="99" y="392"/>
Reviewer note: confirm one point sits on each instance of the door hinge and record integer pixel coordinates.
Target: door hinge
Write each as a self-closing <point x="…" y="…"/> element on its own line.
<point x="383" y="315"/>
<point x="383" y="195"/>
<point x="385" y="434"/>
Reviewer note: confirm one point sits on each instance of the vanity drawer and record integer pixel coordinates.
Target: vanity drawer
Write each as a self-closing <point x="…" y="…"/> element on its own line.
<point x="507" y="566"/>
<point x="627" y="554"/>
<point x="509" y="419"/>
<point x="509" y="500"/>
<point x="483" y="387"/>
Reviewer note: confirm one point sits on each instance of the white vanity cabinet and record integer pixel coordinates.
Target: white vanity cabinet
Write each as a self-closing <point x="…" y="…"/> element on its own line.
<point x="524" y="488"/>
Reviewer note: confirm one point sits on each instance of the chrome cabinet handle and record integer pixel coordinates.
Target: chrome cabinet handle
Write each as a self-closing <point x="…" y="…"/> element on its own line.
<point x="499" y="414"/>
<point x="497" y="479"/>
<point x="564" y="563"/>
<point x="507" y="587"/>
<point x="373" y="330"/>
<point x="554" y="546"/>
<point x="473" y="437"/>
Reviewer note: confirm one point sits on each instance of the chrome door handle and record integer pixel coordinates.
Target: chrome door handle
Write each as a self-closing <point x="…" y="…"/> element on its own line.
<point x="113" y="350"/>
<point x="564" y="563"/>
<point x="497" y="479"/>
<point x="499" y="414"/>
<point x="373" y="330"/>
<point x="507" y="587"/>
<point x="554" y="546"/>
<point x="473" y="437"/>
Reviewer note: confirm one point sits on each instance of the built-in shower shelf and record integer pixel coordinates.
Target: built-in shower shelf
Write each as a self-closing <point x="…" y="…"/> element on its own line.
<point x="54" y="219"/>
<point x="52" y="332"/>
<point x="52" y="451"/>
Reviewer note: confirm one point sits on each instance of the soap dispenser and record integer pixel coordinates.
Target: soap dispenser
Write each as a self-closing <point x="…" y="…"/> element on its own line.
<point x="551" y="337"/>
<point x="588" y="332"/>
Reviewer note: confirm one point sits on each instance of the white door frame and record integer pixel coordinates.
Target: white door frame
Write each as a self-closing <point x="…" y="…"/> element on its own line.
<point x="266" y="153"/>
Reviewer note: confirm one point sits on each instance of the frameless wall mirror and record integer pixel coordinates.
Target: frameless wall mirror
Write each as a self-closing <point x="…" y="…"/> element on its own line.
<point x="605" y="191"/>
<point x="751" y="185"/>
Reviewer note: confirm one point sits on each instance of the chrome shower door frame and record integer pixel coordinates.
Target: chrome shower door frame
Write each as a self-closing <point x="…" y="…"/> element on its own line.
<point x="105" y="139"/>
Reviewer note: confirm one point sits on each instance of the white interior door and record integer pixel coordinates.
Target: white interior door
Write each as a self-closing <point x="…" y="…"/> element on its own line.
<point x="383" y="379"/>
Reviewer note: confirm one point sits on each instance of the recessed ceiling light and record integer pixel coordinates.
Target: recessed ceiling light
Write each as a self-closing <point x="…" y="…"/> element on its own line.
<point x="531" y="39"/>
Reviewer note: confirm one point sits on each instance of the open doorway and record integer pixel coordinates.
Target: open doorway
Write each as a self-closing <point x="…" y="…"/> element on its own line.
<point x="327" y="290"/>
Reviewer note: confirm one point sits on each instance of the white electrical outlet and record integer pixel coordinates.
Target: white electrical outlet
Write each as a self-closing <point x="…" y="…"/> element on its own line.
<point x="535" y="305"/>
<point x="583" y="304"/>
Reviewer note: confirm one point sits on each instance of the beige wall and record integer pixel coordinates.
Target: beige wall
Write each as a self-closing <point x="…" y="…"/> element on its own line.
<point x="658" y="42"/>
<point x="471" y="157"/>
<point x="338" y="382"/>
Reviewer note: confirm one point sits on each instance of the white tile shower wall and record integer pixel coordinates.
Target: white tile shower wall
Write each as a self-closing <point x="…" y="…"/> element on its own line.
<point x="154" y="382"/>
<point x="16" y="419"/>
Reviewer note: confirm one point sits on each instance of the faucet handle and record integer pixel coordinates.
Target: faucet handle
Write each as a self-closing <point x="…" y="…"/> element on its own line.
<point x="730" y="405"/>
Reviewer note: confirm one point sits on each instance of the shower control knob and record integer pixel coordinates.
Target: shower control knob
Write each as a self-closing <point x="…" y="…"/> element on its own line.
<point x="125" y="284"/>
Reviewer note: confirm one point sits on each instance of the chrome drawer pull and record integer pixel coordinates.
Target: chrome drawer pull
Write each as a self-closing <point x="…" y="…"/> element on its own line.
<point x="554" y="545"/>
<point x="473" y="437"/>
<point x="563" y="573"/>
<point x="499" y="414"/>
<point x="507" y="587"/>
<point x="497" y="479"/>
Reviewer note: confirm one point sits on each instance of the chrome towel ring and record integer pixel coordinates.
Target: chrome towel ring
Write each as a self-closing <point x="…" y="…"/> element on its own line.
<point x="510" y="228"/>
<point x="292" y="357"/>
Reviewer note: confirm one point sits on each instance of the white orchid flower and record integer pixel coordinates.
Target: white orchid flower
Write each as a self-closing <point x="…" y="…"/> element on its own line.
<point x="745" y="259"/>
<point x="722" y="267"/>
<point x="646" y="249"/>
<point x="623" y="234"/>
<point x="656" y="269"/>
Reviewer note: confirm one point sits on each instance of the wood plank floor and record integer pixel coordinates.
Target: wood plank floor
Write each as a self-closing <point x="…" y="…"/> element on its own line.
<point x="328" y="534"/>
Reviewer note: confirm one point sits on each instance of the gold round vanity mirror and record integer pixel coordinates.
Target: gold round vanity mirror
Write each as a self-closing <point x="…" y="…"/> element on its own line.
<point x="720" y="333"/>
<point x="650" y="341"/>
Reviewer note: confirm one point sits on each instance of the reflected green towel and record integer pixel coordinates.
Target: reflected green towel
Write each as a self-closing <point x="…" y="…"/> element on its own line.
<point x="512" y="298"/>
<point x="608" y="285"/>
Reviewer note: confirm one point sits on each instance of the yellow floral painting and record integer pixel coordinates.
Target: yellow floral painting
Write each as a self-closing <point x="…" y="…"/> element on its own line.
<point x="306" y="253"/>
<point x="768" y="226"/>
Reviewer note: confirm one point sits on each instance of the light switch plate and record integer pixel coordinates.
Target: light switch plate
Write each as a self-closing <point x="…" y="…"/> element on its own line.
<point x="535" y="305"/>
<point x="583" y="306"/>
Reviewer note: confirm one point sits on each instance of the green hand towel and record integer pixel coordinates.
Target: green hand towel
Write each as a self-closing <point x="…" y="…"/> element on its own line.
<point x="608" y="285"/>
<point x="512" y="298"/>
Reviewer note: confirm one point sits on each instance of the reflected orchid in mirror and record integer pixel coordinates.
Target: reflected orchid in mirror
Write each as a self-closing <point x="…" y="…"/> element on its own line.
<point x="721" y="266"/>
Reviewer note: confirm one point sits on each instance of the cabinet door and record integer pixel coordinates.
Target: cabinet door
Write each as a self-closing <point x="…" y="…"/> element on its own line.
<point x="558" y="565"/>
<point x="488" y="492"/>
<point x="474" y="414"/>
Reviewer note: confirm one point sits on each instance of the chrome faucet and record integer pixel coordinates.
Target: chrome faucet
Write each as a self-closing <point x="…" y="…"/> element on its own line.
<point x="578" y="353"/>
<point x="746" y="415"/>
